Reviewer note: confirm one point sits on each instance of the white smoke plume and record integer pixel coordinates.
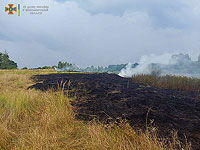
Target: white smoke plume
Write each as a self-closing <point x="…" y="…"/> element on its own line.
<point x="72" y="67"/>
<point x="179" y="64"/>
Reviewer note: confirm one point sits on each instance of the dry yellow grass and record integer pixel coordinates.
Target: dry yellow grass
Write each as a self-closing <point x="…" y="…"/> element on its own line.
<point x="35" y="120"/>
<point x="169" y="82"/>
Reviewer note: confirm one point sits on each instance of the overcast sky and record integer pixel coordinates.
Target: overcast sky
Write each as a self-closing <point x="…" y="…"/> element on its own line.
<point x="100" y="32"/>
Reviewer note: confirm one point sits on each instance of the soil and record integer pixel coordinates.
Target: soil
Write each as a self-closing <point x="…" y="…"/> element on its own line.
<point x="104" y="96"/>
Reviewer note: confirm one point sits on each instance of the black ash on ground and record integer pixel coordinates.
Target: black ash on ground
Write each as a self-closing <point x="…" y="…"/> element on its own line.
<point x="105" y="96"/>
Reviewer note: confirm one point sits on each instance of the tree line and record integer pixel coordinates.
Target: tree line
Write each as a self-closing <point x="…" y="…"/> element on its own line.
<point x="5" y="62"/>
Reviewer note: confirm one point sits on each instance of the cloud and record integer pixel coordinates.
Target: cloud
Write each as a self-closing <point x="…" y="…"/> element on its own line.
<point x="170" y="12"/>
<point x="100" y="32"/>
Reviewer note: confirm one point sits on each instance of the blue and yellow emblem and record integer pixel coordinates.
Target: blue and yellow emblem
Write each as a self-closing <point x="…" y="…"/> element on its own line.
<point x="18" y="9"/>
<point x="10" y="9"/>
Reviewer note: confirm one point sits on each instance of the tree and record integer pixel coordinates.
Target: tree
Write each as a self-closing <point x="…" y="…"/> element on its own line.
<point x="24" y="68"/>
<point x="5" y="62"/>
<point x="62" y="65"/>
<point x="1" y="55"/>
<point x="46" y="67"/>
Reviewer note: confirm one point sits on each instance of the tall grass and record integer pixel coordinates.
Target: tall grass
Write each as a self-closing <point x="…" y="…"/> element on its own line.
<point x="169" y="82"/>
<point x="36" y="120"/>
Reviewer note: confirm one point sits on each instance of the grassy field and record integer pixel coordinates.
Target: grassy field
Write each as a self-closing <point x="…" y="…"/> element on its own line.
<point x="36" y="120"/>
<point x="169" y="82"/>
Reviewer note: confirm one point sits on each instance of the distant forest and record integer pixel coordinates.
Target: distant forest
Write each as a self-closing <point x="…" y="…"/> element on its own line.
<point x="7" y="63"/>
<point x="65" y="66"/>
<point x="183" y="65"/>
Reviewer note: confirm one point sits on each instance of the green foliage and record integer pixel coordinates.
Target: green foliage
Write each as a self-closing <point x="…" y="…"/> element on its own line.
<point x="5" y="62"/>
<point x="46" y="67"/>
<point x="62" y="65"/>
<point x="110" y="68"/>
<point x="24" y="68"/>
<point x="54" y="67"/>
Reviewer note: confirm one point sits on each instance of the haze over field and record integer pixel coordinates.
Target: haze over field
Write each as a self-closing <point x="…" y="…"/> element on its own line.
<point x="177" y="64"/>
<point x="100" y="32"/>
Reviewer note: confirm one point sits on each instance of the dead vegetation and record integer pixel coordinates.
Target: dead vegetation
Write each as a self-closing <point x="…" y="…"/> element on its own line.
<point x="181" y="83"/>
<point x="36" y="120"/>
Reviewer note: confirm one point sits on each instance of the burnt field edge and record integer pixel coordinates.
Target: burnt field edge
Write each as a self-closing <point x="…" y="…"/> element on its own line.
<point x="103" y="96"/>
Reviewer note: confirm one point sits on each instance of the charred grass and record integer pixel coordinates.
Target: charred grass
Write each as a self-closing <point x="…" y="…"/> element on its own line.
<point x="45" y="120"/>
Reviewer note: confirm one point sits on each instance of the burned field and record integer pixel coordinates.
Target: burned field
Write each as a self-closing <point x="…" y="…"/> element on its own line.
<point x="108" y="97"/>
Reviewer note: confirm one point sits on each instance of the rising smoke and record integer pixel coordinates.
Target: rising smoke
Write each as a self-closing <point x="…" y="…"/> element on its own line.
<point x="179" y="64"/>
